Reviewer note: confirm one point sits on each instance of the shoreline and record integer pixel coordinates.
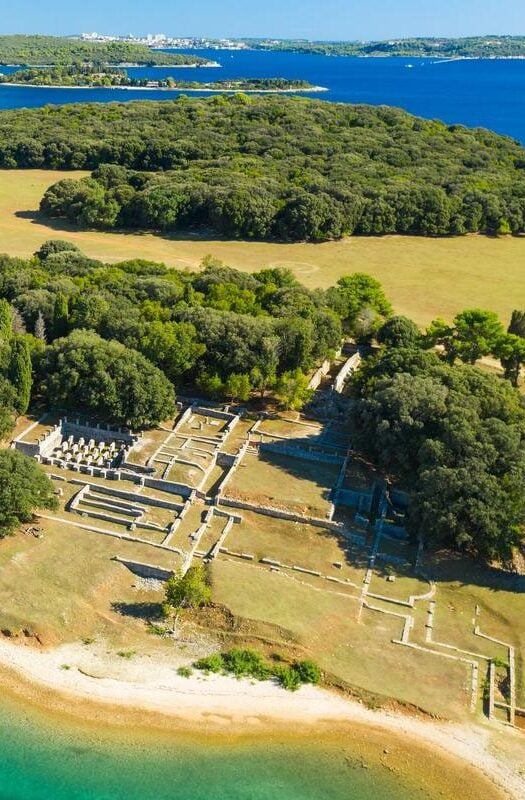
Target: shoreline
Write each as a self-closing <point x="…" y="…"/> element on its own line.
<point x="82" y="683"/>
<point x="123" y="65"/>
<point x="170" y="89"/>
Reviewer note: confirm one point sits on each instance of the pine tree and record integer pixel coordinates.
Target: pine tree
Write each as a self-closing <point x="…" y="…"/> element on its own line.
<point x="60" y="316"/>
<point x="20" y="373"/>
<point x="40" y="328"/>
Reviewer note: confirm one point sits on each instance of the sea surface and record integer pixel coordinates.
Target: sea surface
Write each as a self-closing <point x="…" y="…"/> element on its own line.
<point x="42" y="761"/>
<point x="487" y="93"/>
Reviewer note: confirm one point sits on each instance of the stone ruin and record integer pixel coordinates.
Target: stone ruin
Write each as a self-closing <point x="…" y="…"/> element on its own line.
<point x="76" y="444"/>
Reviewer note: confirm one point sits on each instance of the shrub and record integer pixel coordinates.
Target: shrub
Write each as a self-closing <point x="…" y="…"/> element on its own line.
<point x="213" y="663"/>
<point x="246" y="663"/>
<point x="185" y="672"/>
<point x="307" y="671"/>
<point x="249" y="663"/>
<point x="288" y="677"/>
<point x="126" y="654"/>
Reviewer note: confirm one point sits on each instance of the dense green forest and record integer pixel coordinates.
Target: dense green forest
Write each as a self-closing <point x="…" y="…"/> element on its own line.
<point x="38" y="50"/>
<point x="467" y="47"/>
<point x="454" y="436"/>
<point x="115" y="340"/>
<point x="113" y="76"/>
<point x="270" y="167"/>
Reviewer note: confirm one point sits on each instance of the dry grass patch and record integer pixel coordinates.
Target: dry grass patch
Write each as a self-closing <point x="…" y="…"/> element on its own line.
<point x="285" y="482"/>
<point x="295" y="543"/>
<point x="149" y="444"/>
<point x="360" y="653"/>
<point x="461" y="586"/>
<point x="213" y="533"/>
<point x="424" y="277"/>
<point x="238" y="436"/>
<point x="404" y="586"/>
<point x="183" y="473"/>
<point x="63" y="586"/>
<point x="291" y="430"/>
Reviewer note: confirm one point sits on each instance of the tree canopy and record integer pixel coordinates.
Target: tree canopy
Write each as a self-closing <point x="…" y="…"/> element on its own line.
<point x="24" y="49"/>
<point x="111" y="329"/>
<point x="269" y="167"/>
<point x="24" y="488"/>
<point x="105" y="378"/>
<point x="454" y="436"/>
<point x="190" y="590"/>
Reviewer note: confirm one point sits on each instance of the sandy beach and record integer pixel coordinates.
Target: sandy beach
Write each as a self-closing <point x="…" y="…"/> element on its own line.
<point x="82" y="676"/>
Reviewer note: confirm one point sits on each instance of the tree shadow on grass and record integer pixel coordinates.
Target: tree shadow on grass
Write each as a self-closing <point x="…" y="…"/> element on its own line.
<point x="197" y="234"/>
<point x="146" y="611"/>
<point x="448" y="566"/>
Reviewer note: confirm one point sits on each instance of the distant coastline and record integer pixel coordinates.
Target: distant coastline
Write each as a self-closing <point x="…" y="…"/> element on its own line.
<point x="173" y="89"/>
<point x="126" y="64"/>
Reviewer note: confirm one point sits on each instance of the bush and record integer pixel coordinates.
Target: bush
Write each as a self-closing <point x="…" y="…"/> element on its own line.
<point x="246" y="663"/>
<point x="288" y="678"/>
<point x="185" y="672"/>
<point x="307" y="671"/>
<point x="249" y="663"/>
<point x="213" y="663"/>
<point x="53" y="246"/>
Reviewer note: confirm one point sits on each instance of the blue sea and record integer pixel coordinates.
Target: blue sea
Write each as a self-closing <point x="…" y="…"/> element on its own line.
<point x="485" y="93"/>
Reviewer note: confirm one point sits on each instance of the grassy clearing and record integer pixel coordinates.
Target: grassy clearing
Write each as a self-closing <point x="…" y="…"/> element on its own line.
<point x="423" y="277"/>
<point x="150" y="443"/>
<point x="463" y="585"/>
<point x="237" y="437"/>
<point x="285" y="482"/>
<point x="284" y="427"/>
<point x="293" y="543"/>
<point x="325" y="624"/>
<point x="46" y="588"/>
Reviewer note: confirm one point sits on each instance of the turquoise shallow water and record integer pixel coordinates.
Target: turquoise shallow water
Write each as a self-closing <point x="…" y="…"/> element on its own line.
<point x="40" y="761"/>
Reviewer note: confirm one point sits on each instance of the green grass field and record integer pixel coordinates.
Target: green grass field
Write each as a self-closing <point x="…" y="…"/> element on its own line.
<point x="423" y="277"/>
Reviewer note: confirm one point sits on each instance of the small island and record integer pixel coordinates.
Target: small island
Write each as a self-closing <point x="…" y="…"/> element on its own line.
<point x="78" y="77"/>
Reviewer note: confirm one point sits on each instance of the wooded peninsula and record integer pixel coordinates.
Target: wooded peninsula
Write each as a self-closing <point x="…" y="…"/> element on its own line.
<point x="53" y="50"/>
<point x="420" y="47"/>
<point x="113" y="77"/>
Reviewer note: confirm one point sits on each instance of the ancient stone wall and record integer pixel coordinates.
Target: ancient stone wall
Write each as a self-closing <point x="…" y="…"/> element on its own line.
<point x="306" y="454"/>
<point x="346" y="370"/>
<point x="279" y="513"/>
<point x="145" y="570"/>
<point x="319" y="374"/>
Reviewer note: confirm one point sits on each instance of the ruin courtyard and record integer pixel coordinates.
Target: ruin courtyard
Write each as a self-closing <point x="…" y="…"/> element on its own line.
<point x="298" y="532"/>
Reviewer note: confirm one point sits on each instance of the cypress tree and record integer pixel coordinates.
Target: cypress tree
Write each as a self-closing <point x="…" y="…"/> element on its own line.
<point x="6" y="321"/>
<point x="40" y="328"/>
<point x="517" y="323"/>
<point x="60" y="316"/>
<point x="20" y="373"/>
